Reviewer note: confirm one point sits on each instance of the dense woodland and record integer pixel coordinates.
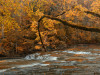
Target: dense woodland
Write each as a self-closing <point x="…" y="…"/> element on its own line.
<point x="19" y="20"/>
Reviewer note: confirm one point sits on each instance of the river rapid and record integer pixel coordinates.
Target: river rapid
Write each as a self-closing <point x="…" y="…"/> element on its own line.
<point x="77" y="60"/>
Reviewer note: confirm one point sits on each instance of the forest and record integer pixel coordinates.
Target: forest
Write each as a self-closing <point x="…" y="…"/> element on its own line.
<point x="27" y="26"/>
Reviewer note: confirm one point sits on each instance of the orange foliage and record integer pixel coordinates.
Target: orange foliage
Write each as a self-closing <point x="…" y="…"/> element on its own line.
<point x="18" y="20"/>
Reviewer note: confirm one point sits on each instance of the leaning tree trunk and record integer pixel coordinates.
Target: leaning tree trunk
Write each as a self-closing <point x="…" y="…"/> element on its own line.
<point x="91" y="29"/>
<point x="40" y="36"/>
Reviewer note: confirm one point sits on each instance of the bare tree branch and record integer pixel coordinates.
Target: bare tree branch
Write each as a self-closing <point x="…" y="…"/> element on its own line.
<point x="60" y="14"/>
<point x="92" y="13"/>
<point x="88" y="12"/>
<point x="91" y="29"/>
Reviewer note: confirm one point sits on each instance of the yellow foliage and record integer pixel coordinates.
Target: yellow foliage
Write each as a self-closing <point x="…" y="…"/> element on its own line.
<point x="37" y="47"/>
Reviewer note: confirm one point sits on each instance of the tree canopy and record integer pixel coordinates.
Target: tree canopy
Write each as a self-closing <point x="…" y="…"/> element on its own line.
<point x="60" y="23"/>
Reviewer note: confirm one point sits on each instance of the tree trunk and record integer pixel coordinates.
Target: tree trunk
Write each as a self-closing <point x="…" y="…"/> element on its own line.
<point x="41" y="37"/>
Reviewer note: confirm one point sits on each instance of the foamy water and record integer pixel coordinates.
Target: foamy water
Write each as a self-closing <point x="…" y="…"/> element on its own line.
<point x="39" y="57"/>
<point x="81" y="52"/>
<point x="3" y="70"/>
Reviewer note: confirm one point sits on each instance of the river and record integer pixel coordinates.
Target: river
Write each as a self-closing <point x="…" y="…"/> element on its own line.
<point x="78" y="60"/>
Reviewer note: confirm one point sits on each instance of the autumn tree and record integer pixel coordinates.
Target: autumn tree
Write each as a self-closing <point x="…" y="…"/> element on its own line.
<point x="59" y="26"/>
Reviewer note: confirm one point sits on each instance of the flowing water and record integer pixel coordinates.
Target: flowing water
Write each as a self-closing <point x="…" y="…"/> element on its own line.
<point x="72" y="61"/>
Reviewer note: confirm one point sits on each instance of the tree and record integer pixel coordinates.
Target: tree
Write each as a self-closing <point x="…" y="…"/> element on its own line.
<point x="91" y="29"/>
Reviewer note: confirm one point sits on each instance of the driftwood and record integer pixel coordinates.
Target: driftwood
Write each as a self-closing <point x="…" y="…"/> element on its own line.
<point x="91" y="29"/>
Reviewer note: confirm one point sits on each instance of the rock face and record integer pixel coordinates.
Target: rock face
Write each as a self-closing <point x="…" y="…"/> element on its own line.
<point x="74" y="61"/>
